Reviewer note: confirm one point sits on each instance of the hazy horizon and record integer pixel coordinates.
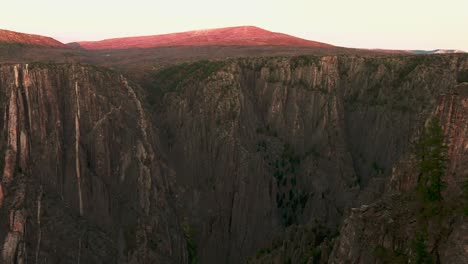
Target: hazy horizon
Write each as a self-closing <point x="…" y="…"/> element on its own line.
<point x="418" y="25"/>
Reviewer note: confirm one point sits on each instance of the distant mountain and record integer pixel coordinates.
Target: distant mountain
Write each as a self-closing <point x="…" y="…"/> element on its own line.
<point x="7" y="36"/>
<point x="437" y="51"/>
<point x="231" y="36"/>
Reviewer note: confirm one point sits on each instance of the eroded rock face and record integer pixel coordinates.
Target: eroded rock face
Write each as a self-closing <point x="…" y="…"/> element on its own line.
<point x="454" y="249"/>
<point x="386" y="232"/>
<point x="257" y="147"/>
<point x="259" y="144"/>
<point x="452" y="109"/>
<point x="81" y="181"/>
<point x="391" y="225"/>
<point x="247" y="151"/>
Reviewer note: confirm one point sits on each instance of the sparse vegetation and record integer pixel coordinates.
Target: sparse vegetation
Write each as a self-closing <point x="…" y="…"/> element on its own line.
<point x="410" y="66"/>
<point x="291" y="200"/>
<point x="377" y="168"/>
<point x="462" y="76"/>
<point x="314" y="253"/>
<point x="261" y="146"/>
<point x="171" y="78"/>
<point x="432" y="162"/>
<point x="465" y="195"/>
<point x="390" y="256"/>
<point x="411" y="63"/>
<point x="421" y="255"/>
<point x="300" y="244"/>
<point x="432" y="155"/>
<point x="189" y="233"/>
<point x="286" y="167"/>
<point x="42" y="65"/>
<point x="262" y="252"/>
<point x="267" y="131"/>
<point x="300" y="61"/>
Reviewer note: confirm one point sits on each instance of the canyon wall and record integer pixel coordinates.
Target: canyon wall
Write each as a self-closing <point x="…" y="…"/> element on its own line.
<point x="82" y="181"/>
<point x="296" y="159"/>
<point x="263" y="145"/>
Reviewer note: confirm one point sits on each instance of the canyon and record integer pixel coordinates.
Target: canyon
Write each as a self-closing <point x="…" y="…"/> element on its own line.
<point x="266" y="155"/>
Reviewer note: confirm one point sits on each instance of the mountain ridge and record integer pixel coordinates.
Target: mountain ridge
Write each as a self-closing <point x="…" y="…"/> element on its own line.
<point x="237" y="36"/>
<point x="229" y="36"/>
<point x="9" y="36"/>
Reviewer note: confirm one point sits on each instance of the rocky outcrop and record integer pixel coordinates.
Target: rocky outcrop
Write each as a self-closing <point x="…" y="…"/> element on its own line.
<point x="387" y="231"/>
<point x="298" y="244"/>
<point x="81" y="181"/>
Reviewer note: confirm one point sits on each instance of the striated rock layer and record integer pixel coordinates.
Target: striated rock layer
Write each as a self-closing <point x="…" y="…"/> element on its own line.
<point x="260" y="145"/>
<point x="82" y="182"/>
<point x="392" y="224"/>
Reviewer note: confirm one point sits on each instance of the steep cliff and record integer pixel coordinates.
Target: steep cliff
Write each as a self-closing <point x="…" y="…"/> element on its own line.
<point x="256" y="147"/>
<point x="387" y="230"/>
<point x="82" y="181"/>
<point x="290" y="159"/>
<point x="262" y="144"/>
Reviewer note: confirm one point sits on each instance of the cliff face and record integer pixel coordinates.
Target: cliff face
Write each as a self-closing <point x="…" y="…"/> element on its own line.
<point x="82" y="182"/>
<point x="261" y="144"/>
<point x="255" y="159"/>
<point x="389" y="100"/>
<point x="392" y="224"/>
<point x="257" y="147"/>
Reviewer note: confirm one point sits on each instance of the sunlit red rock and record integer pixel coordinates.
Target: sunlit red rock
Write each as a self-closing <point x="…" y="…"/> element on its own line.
<point x="30" y="39"/>
<point x="232" y="36"/>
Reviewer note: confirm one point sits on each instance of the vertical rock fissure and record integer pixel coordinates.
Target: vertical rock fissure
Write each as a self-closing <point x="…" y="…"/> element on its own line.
<point x="13" y="250"/>
<point x="15" y="69"/>
<point x="39" y="230"/>
<point x="41" y="148"/>
<point x="12" y="146"/>
<point x="148" y="156"/>
<point x="25" y="119"/>
<point x="79" y="250"/>
<point x="77" y="148"/>
<point x="26" y="83"/>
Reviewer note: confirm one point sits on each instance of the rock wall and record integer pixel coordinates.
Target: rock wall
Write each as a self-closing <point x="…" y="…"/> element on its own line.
<point x="226" y="161"/>
<point x="392" y="224"/>
<point x="81" y="181"/>
<point x="261" y="144"/>
<point x="257" y="147"/>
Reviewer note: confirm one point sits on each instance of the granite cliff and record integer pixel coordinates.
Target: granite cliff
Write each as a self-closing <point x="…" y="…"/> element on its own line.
<point x="82" y="181"/>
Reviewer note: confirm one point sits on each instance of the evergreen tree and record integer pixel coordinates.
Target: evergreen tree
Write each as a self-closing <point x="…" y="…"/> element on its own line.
<point x="465" y="195"/>
<point x="421" y="255"/>
<point x="433" y="162"/>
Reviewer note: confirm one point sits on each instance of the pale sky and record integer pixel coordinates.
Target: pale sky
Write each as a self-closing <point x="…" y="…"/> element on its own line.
<point x="393" y="24"/>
